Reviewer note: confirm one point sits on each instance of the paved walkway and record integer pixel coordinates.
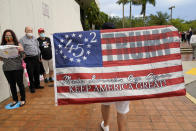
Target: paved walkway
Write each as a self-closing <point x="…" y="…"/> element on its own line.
<point x="40" y="114"/>
<point x="189" y="69"/>
<point x="187" y="56"/>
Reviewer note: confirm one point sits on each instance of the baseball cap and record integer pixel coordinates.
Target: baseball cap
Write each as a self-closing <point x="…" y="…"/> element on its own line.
<point x="40" y="30"/>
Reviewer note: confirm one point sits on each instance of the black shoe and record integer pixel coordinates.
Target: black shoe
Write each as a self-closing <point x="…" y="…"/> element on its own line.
<point x="13" y="103"/>
<point x="32" y="90"/>
<point x="39" y="87"/>
<point x="46" y="80"/>
<point x="51" y="79"/>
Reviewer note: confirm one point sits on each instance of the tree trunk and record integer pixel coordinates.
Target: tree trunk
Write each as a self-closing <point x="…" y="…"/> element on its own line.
<point x="123" y="16"/>
<point x="144" y="11"/>
<point x="82" y="18"/>
<point x="130" y="11"/>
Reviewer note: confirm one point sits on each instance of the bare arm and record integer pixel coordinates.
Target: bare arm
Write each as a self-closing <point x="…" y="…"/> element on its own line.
<point x="20" y="48"/>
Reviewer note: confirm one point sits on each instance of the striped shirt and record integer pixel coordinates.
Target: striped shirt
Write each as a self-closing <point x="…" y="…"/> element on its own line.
<point x="31" y="46"/>
<point x="10" y="64"/>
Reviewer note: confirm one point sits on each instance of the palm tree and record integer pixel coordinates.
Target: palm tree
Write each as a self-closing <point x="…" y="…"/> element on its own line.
<point x="132" y="2"/>
<point x="158" y="19"/>
<point x="144" y="3"/>
<point x="123" y="2"/>
<point x="130" y="9"/>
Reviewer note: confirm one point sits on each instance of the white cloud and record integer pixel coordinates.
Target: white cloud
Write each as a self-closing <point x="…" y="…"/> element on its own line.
<point x="138" y="16"/>
<point x="110" y="7"/>
<point x="178" y="2"/>
<point x="182" y="8"/>
<point x="112" y="14"/>
<point x="174" y="2"/>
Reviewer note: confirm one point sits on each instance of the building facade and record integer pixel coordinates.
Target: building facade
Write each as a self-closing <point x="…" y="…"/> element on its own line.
<point x="52" y="15"/>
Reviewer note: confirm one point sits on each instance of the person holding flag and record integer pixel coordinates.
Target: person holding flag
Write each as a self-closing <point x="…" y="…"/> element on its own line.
<point x="122" y="107"/>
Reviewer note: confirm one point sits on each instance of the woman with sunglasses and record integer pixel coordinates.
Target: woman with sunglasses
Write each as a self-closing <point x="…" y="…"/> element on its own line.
<point x="12" y="67"/>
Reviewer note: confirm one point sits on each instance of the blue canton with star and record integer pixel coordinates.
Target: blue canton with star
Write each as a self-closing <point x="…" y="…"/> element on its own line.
<point x="78" y="49"/>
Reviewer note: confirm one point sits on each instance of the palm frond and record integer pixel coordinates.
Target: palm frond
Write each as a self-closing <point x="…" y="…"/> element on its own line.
<point x="122" y="2"/>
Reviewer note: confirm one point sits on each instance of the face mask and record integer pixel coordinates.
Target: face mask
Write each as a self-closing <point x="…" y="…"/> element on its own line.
<point x="29" y="34"/>
<point x="42" y="35"/>
<point x="9" y="38"/>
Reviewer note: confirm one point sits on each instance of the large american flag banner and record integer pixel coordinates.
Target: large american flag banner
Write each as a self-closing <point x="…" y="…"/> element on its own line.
<point x="117" y="65"/>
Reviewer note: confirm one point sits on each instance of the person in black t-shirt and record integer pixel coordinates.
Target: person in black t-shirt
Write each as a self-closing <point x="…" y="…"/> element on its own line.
<point x="46" y="54"/>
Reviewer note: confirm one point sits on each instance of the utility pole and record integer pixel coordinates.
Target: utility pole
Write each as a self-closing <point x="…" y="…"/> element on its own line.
<point x="170" y="8"/>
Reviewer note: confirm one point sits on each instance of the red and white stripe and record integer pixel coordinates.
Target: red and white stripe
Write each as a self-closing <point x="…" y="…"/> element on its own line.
<point x="167" y="65"/>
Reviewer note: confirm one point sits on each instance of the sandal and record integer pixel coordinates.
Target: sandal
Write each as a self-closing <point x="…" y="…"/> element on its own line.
<point x="22" y="103"/>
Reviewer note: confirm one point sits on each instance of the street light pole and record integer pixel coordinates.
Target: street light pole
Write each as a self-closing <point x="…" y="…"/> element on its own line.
<point x="170" y="8"/>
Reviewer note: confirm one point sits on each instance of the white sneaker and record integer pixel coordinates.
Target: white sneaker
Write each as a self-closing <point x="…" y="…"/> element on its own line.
<point x="105" y="128"/>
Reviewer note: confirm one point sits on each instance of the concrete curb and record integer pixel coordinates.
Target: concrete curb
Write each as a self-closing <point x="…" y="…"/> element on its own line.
<point x="191" y="98"/>
<point x="190" y="95"/>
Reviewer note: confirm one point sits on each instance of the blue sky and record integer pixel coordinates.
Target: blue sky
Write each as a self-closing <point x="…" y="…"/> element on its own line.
<point x="184" y="9"/>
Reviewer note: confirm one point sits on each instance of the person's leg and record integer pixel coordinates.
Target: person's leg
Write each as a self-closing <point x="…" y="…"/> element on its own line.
<point x="105" y="110"/>
<point x="189" y="41"/>
<point x="43" y="72"/>
<point x="51" y="76"/>
<point x="20" y="84"/>
<point x="30" y="70"/>
<point x="45" y="65"/>
<point x="122" y="122"/>
<point x="45" y="78"/>
<point x="36" y="73"/>
<point x="12" y="82"/>
<point x="50" y="65"/>
<point x="122" y="108"/>
<point x="194" y="53"/>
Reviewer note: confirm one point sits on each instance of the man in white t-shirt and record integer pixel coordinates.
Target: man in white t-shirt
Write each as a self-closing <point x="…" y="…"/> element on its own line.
<point x="193" y="44"/>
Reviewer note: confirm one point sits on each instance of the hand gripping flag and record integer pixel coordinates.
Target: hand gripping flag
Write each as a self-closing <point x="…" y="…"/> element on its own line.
<point x="117" y="64"/>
